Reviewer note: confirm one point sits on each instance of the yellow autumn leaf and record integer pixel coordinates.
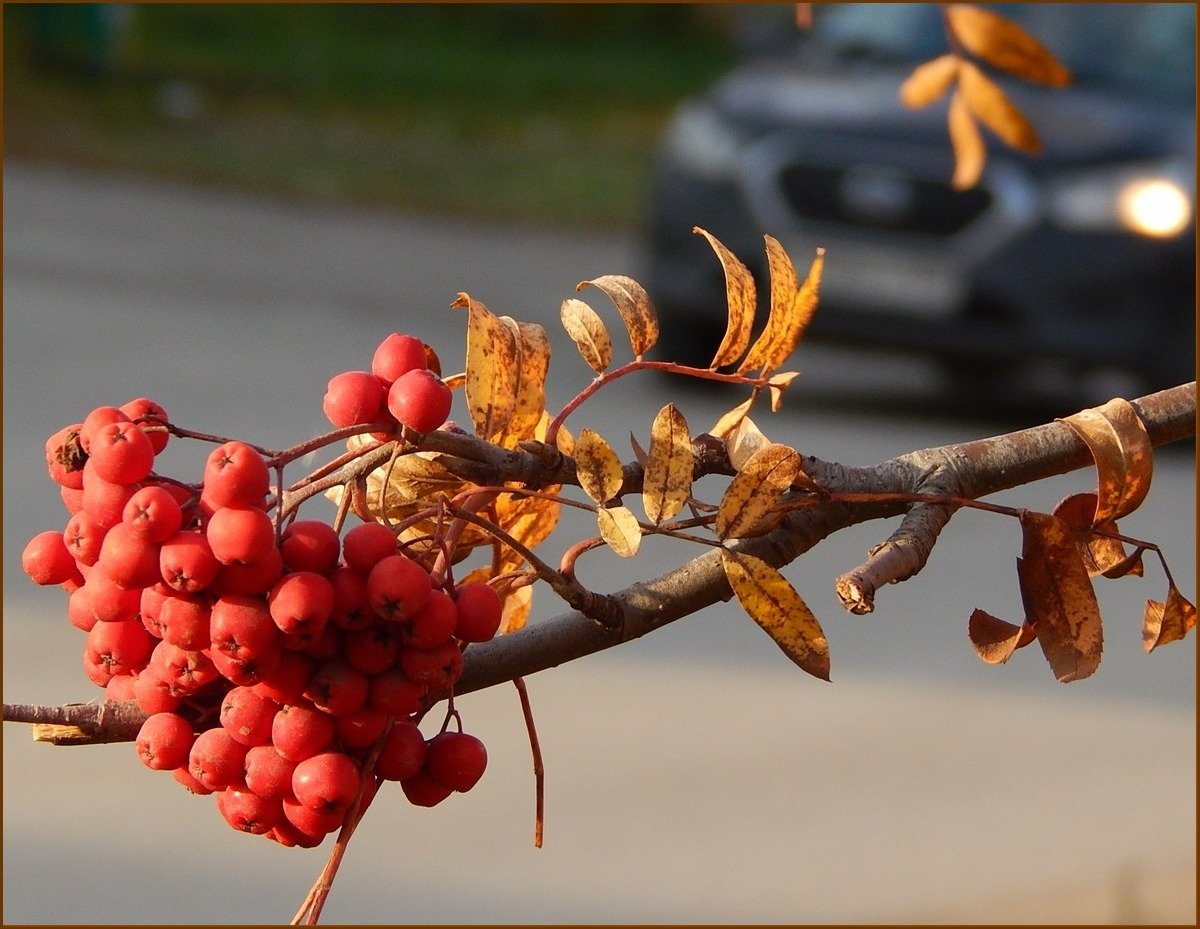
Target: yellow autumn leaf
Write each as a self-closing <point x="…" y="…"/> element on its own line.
<point x="969" y="151"/>
<point x="741" y="298"/>
<point x="1005" y="45"/>
<point x="492" y="368"/>
<point x="667" y="482"/>
<point x="1123" y="454"/>
<point x="597" y="467"/>
<point x="1058" y="597"/>
<point x="774" y="604"/>
<point x="587" y="331"/>
<point x="777" y="385"/>
<point x="620" y="530"/>
<point x="729" y="421"/>
<point x="991" y="106"/>
<point x="929" y="81"/>
<point x="633" y="303"/>
<point x="533" y="364"/>
<point x="792" y="307"/>
<point x="755" y="490"/>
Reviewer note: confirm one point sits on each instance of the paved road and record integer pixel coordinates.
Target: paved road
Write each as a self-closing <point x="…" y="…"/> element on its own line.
<point x="693" y="775"/>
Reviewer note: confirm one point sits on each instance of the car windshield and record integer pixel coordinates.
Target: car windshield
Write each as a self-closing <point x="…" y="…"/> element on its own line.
<point x="1140" y="47"/>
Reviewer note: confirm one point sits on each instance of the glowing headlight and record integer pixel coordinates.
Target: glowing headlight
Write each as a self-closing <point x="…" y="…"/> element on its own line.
<point x="1153" y="200"/>
<point x="1157" y="208"/>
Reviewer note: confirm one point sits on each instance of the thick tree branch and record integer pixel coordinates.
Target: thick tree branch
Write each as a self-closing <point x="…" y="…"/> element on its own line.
<point x="967" y="470"/>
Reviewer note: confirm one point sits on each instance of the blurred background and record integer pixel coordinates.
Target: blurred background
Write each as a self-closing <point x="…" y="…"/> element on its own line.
<point x="222" y="206"/>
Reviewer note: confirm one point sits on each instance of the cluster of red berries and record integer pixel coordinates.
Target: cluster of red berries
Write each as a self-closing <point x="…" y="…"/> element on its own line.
<point x="272" y="663"/>
<point x="403" y="386"/>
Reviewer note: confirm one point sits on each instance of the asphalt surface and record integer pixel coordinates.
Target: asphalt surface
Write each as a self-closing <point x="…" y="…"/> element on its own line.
<point x="693" y="775"/>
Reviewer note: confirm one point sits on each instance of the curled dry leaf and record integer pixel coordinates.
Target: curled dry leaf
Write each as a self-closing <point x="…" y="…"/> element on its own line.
<point x="667" y="482"/>
<point x="995" y="640"/>
<point x="1167" y="622"/>
<point x="741" y="297"/>
<point x="744" y="441"/>
<point x="969" y="151"/>
<point x="492" y="368"/>
<point x="777" y="385"/>
<point x="766" y="476"/>
<point x="929" y="81"/>
<point x="1123" y="454"/>
<point x="587" y="331"/>
<point x="533" y="364"/>
<point x="620" y="530"/>
<point x="1005" y="45"/>
<point x="992" y="107"/>
<point x="774" y="604"/>
<point x="792" y="308"/>
<point x="729" y="422"/>
<point x="1058" y="596"/>
<point x="597" y="467"/>
<point x="1102" y="555"/>
<point x="633" y="303"/>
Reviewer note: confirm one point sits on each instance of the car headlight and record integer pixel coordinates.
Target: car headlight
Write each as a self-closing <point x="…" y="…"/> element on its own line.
<point x="701" y="143"/>
<point x="1156" y="201"/>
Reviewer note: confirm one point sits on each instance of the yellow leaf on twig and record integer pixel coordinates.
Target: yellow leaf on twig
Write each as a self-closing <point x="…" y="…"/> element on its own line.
<point x="667" y="482"/>
<point x="774" y="604"/>
<point x="587" y="331"/>
<point x="633" y="303"/>
<point x="741" y="298"/>
<point x="1005" y="45"/>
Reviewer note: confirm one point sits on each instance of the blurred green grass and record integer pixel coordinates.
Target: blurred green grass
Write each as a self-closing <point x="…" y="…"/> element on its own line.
<point x="537" y="112"/>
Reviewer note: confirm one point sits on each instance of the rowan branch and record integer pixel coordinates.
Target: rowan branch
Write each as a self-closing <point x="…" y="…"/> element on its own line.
<point x="967" y="470"/>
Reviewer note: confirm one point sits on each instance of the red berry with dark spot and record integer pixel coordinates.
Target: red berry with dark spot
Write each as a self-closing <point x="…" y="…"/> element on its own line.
<point x="397" y="587"/>
<point x="236" y="475"/>
<point x="479" y="612"/>
<point x="164" y="741"/>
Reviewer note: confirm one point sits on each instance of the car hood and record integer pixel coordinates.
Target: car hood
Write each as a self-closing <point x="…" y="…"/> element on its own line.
<point x="1078" y="125"/>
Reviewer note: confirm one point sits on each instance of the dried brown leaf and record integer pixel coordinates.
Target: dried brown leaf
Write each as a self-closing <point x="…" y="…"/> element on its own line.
<point x="741" y="297"/>
<point x="1167" y="622"/>
<point x="1123" y="454"/>
<point x="667" y="482"/>
<point x="792" y="308"/>
<point x="1058" y="596"/>
<point x="1102" y="555"/>
<point x="588" y="332"/>
<point x="766" y="476"/>
<point x="597" y="467"/>
<point x="929" y="81"/>
<point x="1005" y="45"/>
<point x="633" y="303"/>
<point x="967" y="142"/>
<point x="992" y="107"/>
<point x="620" y="530"/>
<point x="994" y="639"/>
<point x="774" y="604"/>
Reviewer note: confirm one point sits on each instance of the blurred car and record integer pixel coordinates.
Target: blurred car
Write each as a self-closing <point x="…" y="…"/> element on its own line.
<point x="1074" y="264"/>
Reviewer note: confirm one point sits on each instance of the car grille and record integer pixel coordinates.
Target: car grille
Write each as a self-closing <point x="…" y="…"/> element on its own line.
<point x="897" y="201"/>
